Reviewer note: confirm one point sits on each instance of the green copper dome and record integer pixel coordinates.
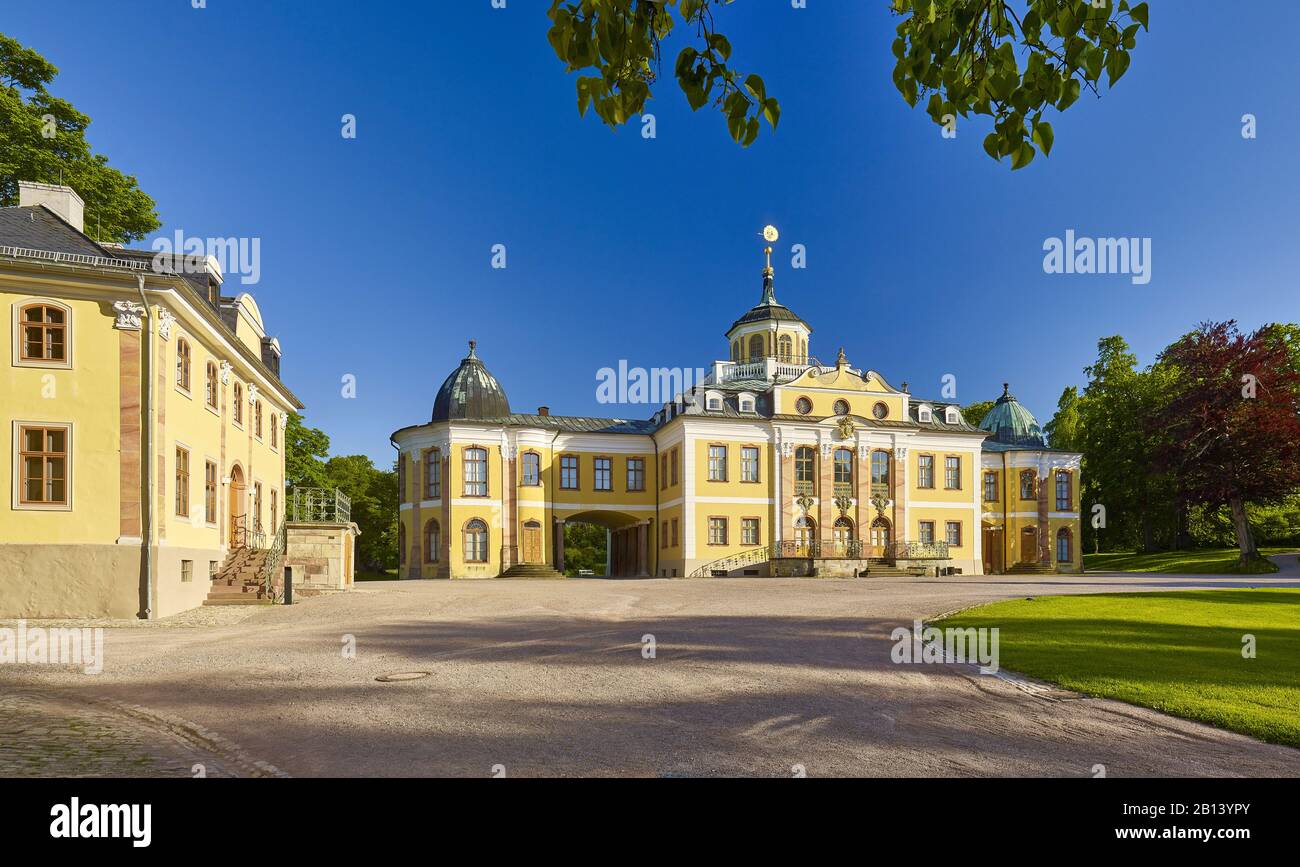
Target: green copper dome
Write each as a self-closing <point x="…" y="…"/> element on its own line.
<point x="1011" y="423"/>
<point x="470" y="392"/>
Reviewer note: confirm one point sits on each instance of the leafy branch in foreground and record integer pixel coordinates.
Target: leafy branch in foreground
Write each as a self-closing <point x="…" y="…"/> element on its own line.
<point x="964" y="54"/>
<point x="620" y="40"/>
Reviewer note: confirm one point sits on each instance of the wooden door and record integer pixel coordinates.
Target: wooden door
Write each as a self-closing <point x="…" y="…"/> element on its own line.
<point x="1029" y="545"/>
<point x="532" y="542"/>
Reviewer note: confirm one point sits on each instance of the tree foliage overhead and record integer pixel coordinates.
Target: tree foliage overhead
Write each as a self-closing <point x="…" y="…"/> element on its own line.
<point x="1010" y="60"/>
<point x="43" y="139"/>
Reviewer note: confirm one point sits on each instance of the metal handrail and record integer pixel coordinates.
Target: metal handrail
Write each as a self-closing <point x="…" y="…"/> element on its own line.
<point x="920" y="551"/>
<point x="319" y="506"/>
<point x="274" y="559"/>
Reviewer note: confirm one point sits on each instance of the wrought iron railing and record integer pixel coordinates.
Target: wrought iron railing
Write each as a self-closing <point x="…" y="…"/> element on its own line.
<point x="736" y="561"/>
<point x="319" y="506"/>
<point x="803" y="489"/>
<point x="273" y="562"/>
<point x="919" y="551"/>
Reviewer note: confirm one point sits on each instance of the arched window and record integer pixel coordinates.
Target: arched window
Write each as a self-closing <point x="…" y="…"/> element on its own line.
<point x="44" y="329"/>
<point x="735" y="350"/>
<point x="756" y="350"/>
<point x="476" y="542"/>
<point x="239" y="404"/>
<point x="257" y="419"/>
<point x="880" y="470"/>
<point x="805" y="531"/>
<point x="183" y="363"/>
<point x="843" y="467"/>
<point x="476" y="480"/>
<point x="275" y="430"/>
<point x="804" y="464"/>
<point x="785" y="348"/>
<point x="401" y="543"/>
<point x="432" y="541"/>
<point x="1028" y="485"/>
<point x="1064" y="498"/>
<point x="1063" y="552"/>
<point x="842" y="531"/>
<point x="210" y="384"/>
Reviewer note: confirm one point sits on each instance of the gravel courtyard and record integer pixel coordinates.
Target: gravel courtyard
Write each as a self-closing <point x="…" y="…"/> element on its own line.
<point x="762" y="677"/>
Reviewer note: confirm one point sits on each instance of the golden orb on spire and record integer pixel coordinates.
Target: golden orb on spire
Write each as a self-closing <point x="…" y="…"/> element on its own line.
<point x="770" y="234"/>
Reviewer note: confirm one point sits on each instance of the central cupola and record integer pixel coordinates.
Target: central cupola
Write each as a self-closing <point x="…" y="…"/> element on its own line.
<point x="769" y="329"/>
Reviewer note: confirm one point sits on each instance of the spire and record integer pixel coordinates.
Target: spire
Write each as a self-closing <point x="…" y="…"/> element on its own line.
<point x="472" y="344"/>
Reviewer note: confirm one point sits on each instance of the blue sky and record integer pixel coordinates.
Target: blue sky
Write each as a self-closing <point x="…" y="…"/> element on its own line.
<point x="924" y="256"/>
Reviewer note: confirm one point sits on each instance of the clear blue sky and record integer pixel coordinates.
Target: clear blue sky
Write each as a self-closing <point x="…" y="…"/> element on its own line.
<point x="925" y="257"/>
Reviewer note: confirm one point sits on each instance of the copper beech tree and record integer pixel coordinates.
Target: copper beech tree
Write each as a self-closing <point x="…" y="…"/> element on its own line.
<point x="1230" y="422"/>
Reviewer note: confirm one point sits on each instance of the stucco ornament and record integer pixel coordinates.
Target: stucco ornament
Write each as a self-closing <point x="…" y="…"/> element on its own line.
<point x="253" y="394"/>
<point x="225" y="372"/>
<point x="805" y="503"/>
<point x="284" y="420"/>
<point x="846" y="428"/>
<point x="166" y="319"/>
<point x="129" y="314"/>
<point x="843" y="504"/>
<point x="881" y="502"/>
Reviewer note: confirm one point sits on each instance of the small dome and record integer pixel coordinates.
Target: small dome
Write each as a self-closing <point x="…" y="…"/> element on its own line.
<point x="1011" y="423"/>
<point x="470" y="392"/>
<point x="768" y="308"/>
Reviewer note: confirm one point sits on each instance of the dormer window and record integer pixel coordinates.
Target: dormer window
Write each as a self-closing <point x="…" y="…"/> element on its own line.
<point x="924" y="414"/>
<point x="713" y="401"/>
<point x="952" y="416"/>
<point x="715" y="404"/>
<point x="746" y="406"/>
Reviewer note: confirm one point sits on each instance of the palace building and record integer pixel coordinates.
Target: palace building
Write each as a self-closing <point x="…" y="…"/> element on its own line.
<point x="144" y="415"/>
<point x="776" y="465"/>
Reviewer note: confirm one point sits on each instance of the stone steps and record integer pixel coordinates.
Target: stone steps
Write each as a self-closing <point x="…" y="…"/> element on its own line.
<point x="533" y="571"/>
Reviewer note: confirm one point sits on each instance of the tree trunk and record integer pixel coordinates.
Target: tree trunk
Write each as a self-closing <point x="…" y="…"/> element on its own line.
<point x="1148" y="534"/>
<point x="1245" y="539"/>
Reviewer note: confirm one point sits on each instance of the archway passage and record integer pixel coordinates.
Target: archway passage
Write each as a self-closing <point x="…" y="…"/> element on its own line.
<point x="238" y="530"/>
<point x="627" y="544"/>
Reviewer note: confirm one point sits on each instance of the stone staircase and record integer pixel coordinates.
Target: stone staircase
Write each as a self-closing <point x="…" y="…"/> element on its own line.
<point x="885" y="569"/>
<point x="532" y="572"/>
<point x="1032" y="569"/>
<point x="239" y="581"/>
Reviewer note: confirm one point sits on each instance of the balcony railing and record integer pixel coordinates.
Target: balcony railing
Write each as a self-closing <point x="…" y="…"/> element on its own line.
<point x="803" y="489"/>
<point x="919" y="551"/>
<point x="319" y="506"/>
<point x="772" y="368"/>
<point x="825" y="549"/>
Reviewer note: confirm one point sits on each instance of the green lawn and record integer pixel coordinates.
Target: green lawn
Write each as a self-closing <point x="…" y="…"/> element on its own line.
<point x="1180" y="653"/>
<point x="1195" y="562"/>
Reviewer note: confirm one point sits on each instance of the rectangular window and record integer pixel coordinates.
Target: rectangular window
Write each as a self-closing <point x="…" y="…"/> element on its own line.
<point x="43" y="456"/>
<point x="257" y="419"/>
<point x="676" y="465"/>
<point x="953" y="533"/>
<point x="603" y="474"/>
<point x="1028" y="482"/>
<point x="663" y="472"/>
<point x="927" y="532"/>
<point x="476" y="484"/>
<point x="401" y="478"/>
<point x="952" y="473"/>
<point x="636" y="474"/>
<point x="663" y="535"/>
<point x="749" y="531"/>
<point x="257" y="506"/>
<point x="803" y="464"/>
<point x="749" y="464"/>
<point x="925" y="471"/>
<point x="532" y="469"/>
<point x="187" y="571"/>
<point x="569" y="473"/>
<point x="275" y="510"/>
<point x="990" y="487"/>
<point x="433" y="474"/>
<point x="717" y="463"/>
<point x="675" y="536"/>
<point x="182" y="482"/>
<point x="717" y="531"/>
<point x="210" y="492"/>
<point x="213" y="565"/>
<point x="842" y="471"/>
<point x="1063" y="493"/>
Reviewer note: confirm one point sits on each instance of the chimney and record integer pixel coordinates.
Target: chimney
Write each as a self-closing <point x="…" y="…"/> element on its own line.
<point x="63" y="201"/>
<point x="544" y="411"/>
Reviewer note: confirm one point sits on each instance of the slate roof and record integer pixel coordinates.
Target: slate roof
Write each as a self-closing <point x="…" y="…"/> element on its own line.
<point x="39" y="228"/>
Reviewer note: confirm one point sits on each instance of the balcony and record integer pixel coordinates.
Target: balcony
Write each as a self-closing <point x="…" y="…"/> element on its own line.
<point x="319" y="506"/>
<point x="803" y="489"/>
<point x="770" y="369"/>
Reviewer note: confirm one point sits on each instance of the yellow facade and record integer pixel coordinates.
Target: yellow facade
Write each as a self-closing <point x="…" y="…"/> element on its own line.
<point x="150" y="467"/>
<point x="776" y="461"/>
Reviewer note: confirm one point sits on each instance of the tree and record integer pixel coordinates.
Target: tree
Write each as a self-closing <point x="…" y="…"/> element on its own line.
<point x="1232" y="420"/>
<point x="584" y="548"/>
<point x="44" y="139"/>
<point x="305" y="452"/>
<point x="961" y="53"/>
<point x="974" y="413"/>
<point x="1063" y="430"/>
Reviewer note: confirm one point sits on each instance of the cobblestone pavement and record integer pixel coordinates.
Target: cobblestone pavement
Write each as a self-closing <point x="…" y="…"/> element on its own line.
<point x="750" y="677"/>
<point x="49" y="735"/>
